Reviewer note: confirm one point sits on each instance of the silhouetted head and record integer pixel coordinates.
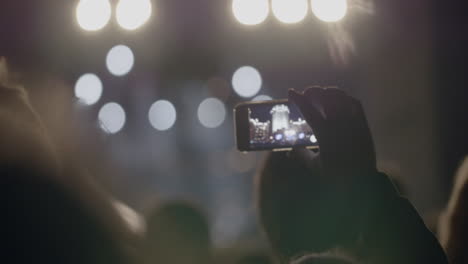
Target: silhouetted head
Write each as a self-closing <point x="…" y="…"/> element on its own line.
<point x="44" y="223"/>
<point x="177" y="232"/>
<point x="453" y="228"/>
<point x="301" y="211"/>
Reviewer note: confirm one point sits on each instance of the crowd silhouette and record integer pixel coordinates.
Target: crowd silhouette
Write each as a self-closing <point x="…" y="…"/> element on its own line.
<point x="314" y="207"/>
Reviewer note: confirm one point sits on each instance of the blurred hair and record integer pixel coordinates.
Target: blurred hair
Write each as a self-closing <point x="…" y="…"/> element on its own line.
<point x="453" y="228"/>
<point x="22" y="134"/>
<point x="51" y="202"/>
<point x="177" y="232"/>
<point x="293" y="211"/>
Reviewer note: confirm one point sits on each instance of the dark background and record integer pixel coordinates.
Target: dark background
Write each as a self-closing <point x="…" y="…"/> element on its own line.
<point x="408" y="70"/>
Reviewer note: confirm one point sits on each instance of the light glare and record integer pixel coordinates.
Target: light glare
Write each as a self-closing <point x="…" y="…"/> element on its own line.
<point x="88" y="89"/>
<point x="246" y="81"/>
<point x="111" y="118"/>
<point x="93" y="15"/>
<point x="162" y="115"/>
<point x="120" y="60"/>
<point x="289" y="11"/>
<point x="132" y="14"/>
<point x="329" y="10"/>
<point x="211" y="113"/>
<point x="250" y="12"/>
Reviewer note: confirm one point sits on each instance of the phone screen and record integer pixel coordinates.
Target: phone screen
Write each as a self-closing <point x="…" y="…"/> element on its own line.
<point x="276" y="125"/>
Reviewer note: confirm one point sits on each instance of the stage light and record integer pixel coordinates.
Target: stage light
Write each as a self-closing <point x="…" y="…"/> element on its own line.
<point x="262" y="98"/>
<point x="246" y="81"/>
<point x="278" y="137"/>
<point x="250" y="12"/>
<point x="329" y="10"/>
<point x="301" y="135"/>
<point x="93" y="15"/>
<point x="111" y="118"/>
<point x="132" y="14"/>
<point x="313" y="139"/>
<point x="120" y="60"/>
<point x="162" y="115"/>
<point x="289" y="11"/>
<point x="88" y="89"/>
<point x="211" y="112"/>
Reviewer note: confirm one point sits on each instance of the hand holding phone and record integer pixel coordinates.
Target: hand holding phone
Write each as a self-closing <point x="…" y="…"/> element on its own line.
<point x="341" y="129"/>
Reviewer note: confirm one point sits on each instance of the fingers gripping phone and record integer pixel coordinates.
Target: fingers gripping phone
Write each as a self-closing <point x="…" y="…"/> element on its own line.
<point x="271" y="125"/>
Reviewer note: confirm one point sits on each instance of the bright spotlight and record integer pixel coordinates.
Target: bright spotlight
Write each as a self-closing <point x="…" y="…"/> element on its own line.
<point x="111" y="118"/>
<point x="132" y="14"/>
<point x="250" y="12"/>
<point x="262" y="98"/>
<point x="211" y="112"/>
<point x="289" y="11"/>
<point x="120" y="60"/>
<point x="246" y="81"/>
<point x="93" y="15"/>
<point x="162" y="115"/>
<point x="329" y="10"/>
<point x="88" y="89"/>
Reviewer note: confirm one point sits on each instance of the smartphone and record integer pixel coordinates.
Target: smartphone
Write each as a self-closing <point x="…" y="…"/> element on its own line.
<point x="276" y="125"/>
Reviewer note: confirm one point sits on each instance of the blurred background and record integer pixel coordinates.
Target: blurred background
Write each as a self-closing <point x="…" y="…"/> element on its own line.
<point x="142" y="91"/>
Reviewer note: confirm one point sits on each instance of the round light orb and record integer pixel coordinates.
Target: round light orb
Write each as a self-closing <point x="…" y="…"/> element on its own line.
<point x="250" y="12"/>
<point x="246" y="81"/>
<point x="162" y="115"/>
<point x="93" y="15"/>
<point x="88" y="89"/>
<point x="132" y="14"/>
<point x="290" y="11"/>
<point x="313" y="139"/>
<point x="111" y="118"/>
<point x="329" y="10"/>
<point x="262" y="97"/>
<point x="211" y="113"/>
<point x="120" y="60"/>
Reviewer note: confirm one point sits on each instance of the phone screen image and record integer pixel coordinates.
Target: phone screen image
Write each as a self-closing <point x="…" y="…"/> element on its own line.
<point x="276" y="125"/>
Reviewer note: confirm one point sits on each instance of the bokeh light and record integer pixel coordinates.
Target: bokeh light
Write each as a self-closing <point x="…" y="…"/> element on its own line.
<point x="246" y="81"/>
<point x="132" y="14"/>
<point x="313" y="139"/>
<point x="290" y="11"/>
<point x="88" y="89"/>
<point x="262" y="97"/>
<point x="250" y="12"/>
<point x="111" y="118"/>
<point x="162" y="115"/>
<point x="329" y="10"/>
<point x="211" y="112"/>
<point x="120" y="60"/>
<point x="93" y="15"/>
